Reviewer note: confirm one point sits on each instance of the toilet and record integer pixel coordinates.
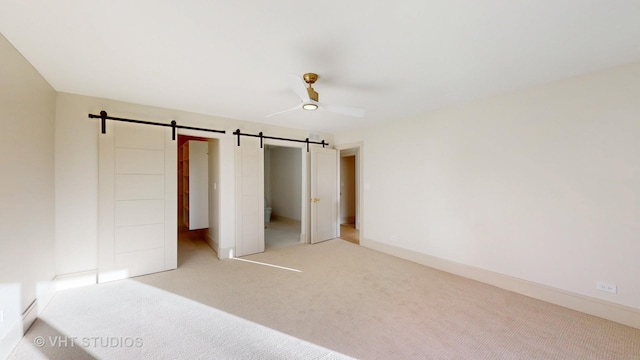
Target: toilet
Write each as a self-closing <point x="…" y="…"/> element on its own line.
<point x="267" y="212"/>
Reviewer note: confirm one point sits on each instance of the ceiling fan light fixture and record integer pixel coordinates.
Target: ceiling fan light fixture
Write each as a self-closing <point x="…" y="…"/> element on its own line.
<point x="309" y="98"/>
<point x="309" y="106"/>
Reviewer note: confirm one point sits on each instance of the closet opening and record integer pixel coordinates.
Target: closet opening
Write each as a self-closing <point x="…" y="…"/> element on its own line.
<point x="198" y="176"/>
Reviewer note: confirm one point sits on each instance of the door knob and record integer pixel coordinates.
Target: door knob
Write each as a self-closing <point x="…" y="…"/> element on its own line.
<point x="315" y="200"/>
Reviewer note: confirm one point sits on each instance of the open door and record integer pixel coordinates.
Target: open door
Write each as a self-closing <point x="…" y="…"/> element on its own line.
<point x="324" y="194"/>
<point x="137" y="215"/>
<point x="249" y="197"/>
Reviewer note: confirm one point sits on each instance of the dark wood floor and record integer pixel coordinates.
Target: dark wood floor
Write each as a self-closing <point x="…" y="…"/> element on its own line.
<point x="349" y="233"/>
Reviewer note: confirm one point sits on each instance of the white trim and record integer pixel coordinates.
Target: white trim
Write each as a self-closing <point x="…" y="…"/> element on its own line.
<point x="170" y="201"/>
<point x="45" y="290"/>
<point x="228" y="253"/>
<point x="29" y="316"/>
<point x="74" y="280"/>
<point x="200" y="133"/>
<point x="347" y="220"/>
<point x="615" y="312"/>
<point x="222" y="184"/>
<point x="212" y="243"/>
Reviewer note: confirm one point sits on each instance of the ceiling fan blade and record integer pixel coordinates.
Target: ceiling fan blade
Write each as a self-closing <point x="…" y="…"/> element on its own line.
<point x="284" y="111"/>
<point x="344" y="110"/>
<point x="298" y="86"/>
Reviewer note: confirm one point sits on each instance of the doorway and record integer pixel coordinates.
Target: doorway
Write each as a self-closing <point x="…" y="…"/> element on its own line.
<point x="192" y="183"/>
<point x="283" y="176"/>
<point x="198" y="203"/>
<point x="349" y="217"/>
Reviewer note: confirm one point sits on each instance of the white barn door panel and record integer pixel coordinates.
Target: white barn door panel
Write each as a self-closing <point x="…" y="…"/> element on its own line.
<point x="249" y="197"/>
<point x="137" y="227"/>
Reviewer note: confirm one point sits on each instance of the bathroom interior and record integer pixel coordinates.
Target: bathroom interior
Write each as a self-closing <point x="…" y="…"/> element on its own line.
<point x="283" y="196"/>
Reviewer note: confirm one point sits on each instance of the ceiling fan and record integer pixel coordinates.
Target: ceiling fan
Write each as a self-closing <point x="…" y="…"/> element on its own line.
<point x="309" y="98"/>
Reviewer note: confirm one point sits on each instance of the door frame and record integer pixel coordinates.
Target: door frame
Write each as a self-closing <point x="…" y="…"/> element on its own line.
<point x="222" y="231"/>
<point x="360" y="185"/>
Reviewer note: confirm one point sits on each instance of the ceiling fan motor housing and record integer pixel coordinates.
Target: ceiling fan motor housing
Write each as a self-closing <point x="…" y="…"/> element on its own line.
<point x="310" y="78"/>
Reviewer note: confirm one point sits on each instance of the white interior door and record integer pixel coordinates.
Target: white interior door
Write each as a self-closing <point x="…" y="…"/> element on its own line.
<point x="198" y="178"/>
<point x="249" y="197"/>
<point x="324" y="194"/>
<point x="137" y="217"/>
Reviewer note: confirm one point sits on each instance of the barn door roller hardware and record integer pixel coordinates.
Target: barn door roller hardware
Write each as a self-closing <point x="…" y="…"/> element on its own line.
<point x="262" y="136"/>
<point x="173" y="125"/>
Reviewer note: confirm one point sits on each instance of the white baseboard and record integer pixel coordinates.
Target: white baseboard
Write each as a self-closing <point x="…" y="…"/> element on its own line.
<point x="215" y="245"/>
<point x="227" y="253"/>
<point x="212" y="243"/>
<point x="29" y="316"/>
<point x="615" y="312"/>
<point x="13" y="324"/>
<point x="45" y="290"/>
<point x="70" y="281"/>
<point x="348" y="220"/>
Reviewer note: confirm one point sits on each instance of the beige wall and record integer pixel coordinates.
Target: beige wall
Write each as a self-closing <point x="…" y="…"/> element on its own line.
<point x="27" y="113"/>
<point x="541" y="184"/>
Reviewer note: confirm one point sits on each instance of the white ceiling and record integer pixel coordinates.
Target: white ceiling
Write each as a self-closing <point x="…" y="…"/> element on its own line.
<point x="394" y="58"/>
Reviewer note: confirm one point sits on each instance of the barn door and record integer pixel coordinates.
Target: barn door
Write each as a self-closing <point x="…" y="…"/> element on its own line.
<point x="137" y="217"/>
<point x="249" y="197"/>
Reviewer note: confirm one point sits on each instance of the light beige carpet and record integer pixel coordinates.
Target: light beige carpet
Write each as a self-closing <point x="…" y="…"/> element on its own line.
<point x="129" y="320"/>
<point x="281" y="232"/>
<point x="369" y="305"/>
